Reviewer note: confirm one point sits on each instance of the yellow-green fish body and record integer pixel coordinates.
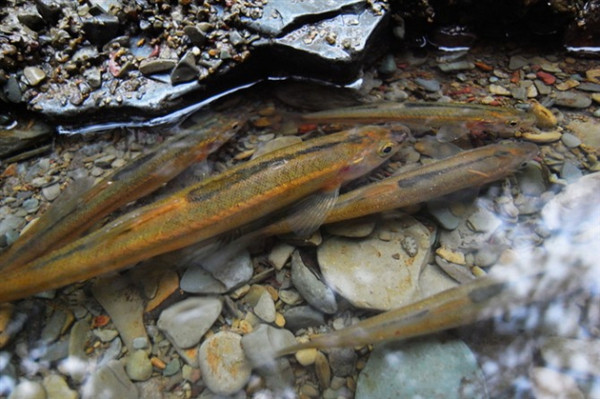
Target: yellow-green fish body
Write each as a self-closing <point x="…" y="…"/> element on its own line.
<point x="219" y="204"/>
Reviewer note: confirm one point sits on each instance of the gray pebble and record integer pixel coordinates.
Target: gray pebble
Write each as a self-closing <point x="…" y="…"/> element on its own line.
<point x="443" y="215"/>
<point x="303" y="316"/>
<point x="265" y="308"/>
<point x="106" y="334"/>
<point x="588" y="86"/>
<point x="141" y="343"/>
<point x="570" y="172"/>
<point x="185" y="70"/>
<point x="224" y="366"/>
<point x="31" y="205"/>
<point x="222" y="277"/>
<point x="138" y="366"/>
<point x="342" y="361"/>
<point x="456" y="66"/>
<point x="151" y="66"/>
<point x="352" y="229"/>
<point x="531" y="180"/>
<point x="261" y="344"/>
<point x="187" y="321"/>
<point x="51" y="192"/>
<point x="112" y="352"/>
<point x="109" y="381"/>
<point x="542" y="88"/>
<point x="517" y="62"/>
<point x="93" y="76"/>
<point x="572" y="99"/>
<point x="172" y="368"/>
<point x="430" y="85"/>
<point x="313" y="290"/>
<point x="570" y="140"/>
<point x="34" y="75"/>
<point x="483" y="221"/>
<point x="53" y="326"/>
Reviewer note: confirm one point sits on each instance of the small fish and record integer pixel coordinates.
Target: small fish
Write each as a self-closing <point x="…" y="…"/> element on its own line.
<point x="451" y="120"/>
<point x="212" y="207"/>
<point x="464" y="304"/>
<point x="79" y="209"/>
<point x="471" y="168"/>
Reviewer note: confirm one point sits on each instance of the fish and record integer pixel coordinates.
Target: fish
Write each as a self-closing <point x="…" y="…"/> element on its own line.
<point x="211" y="207"/>
<point x="471" y="168"/>
<point x="454" y="307"/>
<point x="79" y="209"/>
<point x="451" y="120"/>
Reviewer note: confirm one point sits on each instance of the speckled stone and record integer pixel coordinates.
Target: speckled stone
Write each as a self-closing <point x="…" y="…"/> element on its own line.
<point x="224" y="366"/>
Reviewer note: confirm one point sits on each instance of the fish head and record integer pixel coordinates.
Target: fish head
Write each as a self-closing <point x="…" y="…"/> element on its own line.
<point x="510" y="122"/>
<point x="378" y="144"/>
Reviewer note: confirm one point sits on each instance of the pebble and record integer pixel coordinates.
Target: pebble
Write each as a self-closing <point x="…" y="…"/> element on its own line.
<point x="387" y="66"/>
<point x="570" y="172"/>
<point x="138" y="366"/>
<point x="591" y="87"/>
<point x="51" y="192"/>
<point x="313" y="290"/>
<point x="185" y="69"/>
<point x="218" y="278"/>
<point x="375" y="272"/>
<point x="498" y="90"/>
<point x="279" y="255"/>
<point x="443" y="215"/>
<point x="456" y="66"/>
<point x="109" y="381"/>
<point x="56" y="388"/>
<point x="426" y="368"/>
<point x="156" y="65"/>
<point x="531" y="179"/>
<point x="430" y="85"/>
<point x="125" y="306"/>
<point x="78" y="337"/>
<point x="306" y="357"/>
<point x="572" y="99"/>
<point x="517" y="62"/>
<point x="28" y="390"/>
<point x="342" y="361"/>
<point x="187" y="321"/>
<point x="587" y="132"/>
<point x="225" y="369"/>
<point x="542" y="137"/>
<point x="303" y="316"/>
<point x="54" y="326"/>
<point x="352" y="229"/>
<point x="34" y="75"/>
<point x="260" y="345"/>
<point x="106" y="334"/>
<point x="172" y="368"/>
<point x="31" y="205"/>
<point x="262" y="303"/>
<point x="433" y="280"/>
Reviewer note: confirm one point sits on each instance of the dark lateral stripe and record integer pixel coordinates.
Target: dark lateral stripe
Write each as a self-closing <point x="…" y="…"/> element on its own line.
<point x="130" y="168"/>
<point x="482" y="294"/>
<point x="201" y="194"/>
<point x="476" y="107"/>
<point x="420" y="177"/>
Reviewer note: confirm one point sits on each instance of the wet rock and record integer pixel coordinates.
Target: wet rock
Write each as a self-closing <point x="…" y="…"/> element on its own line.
<point x="156" y="65"/>
<point x="109" y="381"/>
<point x="54" y="326"/>
<point x="587" y="132"/>
<point x="342" y="361"/>
<point x="101" y="28"/>
<point x="351" y="229"/>
<point x="262" y="303"/>
<point x="377" y="272"/>
<point x="138" y="366"/>
<point x="456" y="66"/>
<point x="224" y="366"/>
<point x="185" y="70"/>
<point x="123" y="302"/>
<point x="80" y="333"/>
<point x="387" y="67"/>
<point x="313" y="290"/>
<point x="430" y="85"/>
<point x="423" y="368"/>
<point x="279" y="255"/>
<point x="572" y="99"/>
<point x="218" y="278"/>
<point x="28" y="390"/>
<point x="517" y="62"/>
<point x="279" y="15"/>
<point x="303" y="316"/>
<point x="531" y="179"/>
<point x="433" y="280"/>
<point x="56" y="388"/>
<point x="262" y="343"/>
<point x="34" y="75"/>
<point x="187" y="321"/>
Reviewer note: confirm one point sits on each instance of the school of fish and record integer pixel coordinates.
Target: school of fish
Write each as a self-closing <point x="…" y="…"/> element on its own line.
<point x="301" y="180"/>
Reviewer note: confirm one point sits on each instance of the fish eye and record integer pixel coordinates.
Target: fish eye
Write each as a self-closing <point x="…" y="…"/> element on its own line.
<point x="386" y="148"/>
<point x="513" y="123"/>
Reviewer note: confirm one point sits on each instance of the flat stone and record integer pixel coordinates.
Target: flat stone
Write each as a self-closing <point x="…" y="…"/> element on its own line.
<point x="51" y="192"/>
<point x="517" y="62"/>
<point x="342" y="361"/>
<point x="279" y="15"/>
<point x="187" y="321"/>
<point x="156" y="65"/>
<point x="430" y="85"/>
<point x="125" y="306"/>
<point x="421" y="368"/>
<point x="462" y="65"/>
<point x="302" y="317"/>
<point x="225" y="369"/>
<point x="313" y="290"/>
<point x="381" y="271"/>
<point x="185" y="70"/>
<point x="109" y="381"/>
<point x="218" y="278"/>
<point x="572" y="99"/>
<point x="587" y="132"/>
<point x="279" y="255"/>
